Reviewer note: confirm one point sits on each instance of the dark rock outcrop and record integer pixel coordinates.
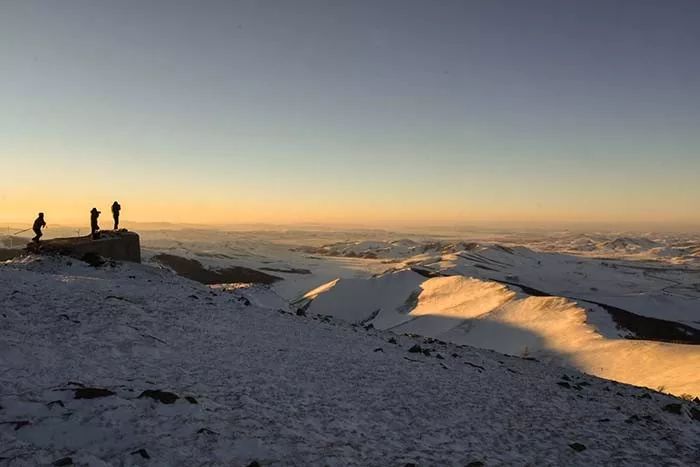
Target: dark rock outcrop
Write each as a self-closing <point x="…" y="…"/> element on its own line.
<point x="578" y="447"/>
<point x="194" y="270"/>
<point x="142" y="452"/>
<point x="9" y="253"/>
<point x="163" y="397"/>
<point x="93" y="259"/>
<point x="63" y="462"/>
<point x="92" y="393"/>
<point x="119" y="245"/>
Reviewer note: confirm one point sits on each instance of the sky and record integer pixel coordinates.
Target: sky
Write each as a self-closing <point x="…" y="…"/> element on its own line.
<point x="368" y="112"/>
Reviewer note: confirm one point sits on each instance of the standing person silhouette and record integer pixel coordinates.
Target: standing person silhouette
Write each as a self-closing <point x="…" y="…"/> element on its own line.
<point x="39" y="223"/>
<point x="116" y="207"/>
<point x="94" y="214"/>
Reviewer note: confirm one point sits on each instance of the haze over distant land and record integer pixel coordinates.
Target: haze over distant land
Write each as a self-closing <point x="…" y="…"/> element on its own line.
<point x="455" y="229"/>
<point x="396" y="112"/>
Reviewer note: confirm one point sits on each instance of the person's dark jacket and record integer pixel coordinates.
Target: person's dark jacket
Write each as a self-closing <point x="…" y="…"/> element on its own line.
<point x="94" y="214"/>
<point x="38" y="224"/>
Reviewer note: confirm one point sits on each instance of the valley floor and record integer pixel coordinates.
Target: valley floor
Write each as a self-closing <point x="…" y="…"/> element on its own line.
<point x="281" y="389"/>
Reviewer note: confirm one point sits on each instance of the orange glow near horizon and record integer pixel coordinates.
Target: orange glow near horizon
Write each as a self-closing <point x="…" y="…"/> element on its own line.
<point x="67" y="187"/>
<point x="69" y="210"/>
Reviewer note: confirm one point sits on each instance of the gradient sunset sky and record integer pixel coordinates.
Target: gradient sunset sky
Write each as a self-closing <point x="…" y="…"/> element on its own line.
<point x="351" y="111"/>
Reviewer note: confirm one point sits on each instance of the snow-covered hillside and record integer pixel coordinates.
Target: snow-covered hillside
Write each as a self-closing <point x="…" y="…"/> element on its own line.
<point x="402" y="248"/>
<point x="133" y="365"/>
<point x="652" y="290"/>
<point x="677" y="249"/>
<point x="622" y="296"/>
<point x="491" y="315"/>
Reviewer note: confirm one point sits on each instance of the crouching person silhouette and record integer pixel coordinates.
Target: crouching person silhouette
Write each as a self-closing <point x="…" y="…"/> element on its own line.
<point x="94" y="228"/>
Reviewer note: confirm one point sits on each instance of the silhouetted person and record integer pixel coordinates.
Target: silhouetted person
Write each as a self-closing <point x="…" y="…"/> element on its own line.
<point x="116" y="207"/>
<point x="94" y="214"/>
<point x="39" y="223"/>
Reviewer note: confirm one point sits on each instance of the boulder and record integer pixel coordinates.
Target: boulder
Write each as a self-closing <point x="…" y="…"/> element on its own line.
<point x="92" y="393"/>
<point x="164" y="397"/>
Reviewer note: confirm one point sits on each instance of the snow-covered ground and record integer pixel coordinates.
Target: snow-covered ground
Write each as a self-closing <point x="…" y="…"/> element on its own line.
<point x="491" y="315"/>
<point x="680" y="249"/>
<point x="648" y="289"/>
<point x="83" y="350"/>
<point x="603" y="299"/>
<point x="665" y="248"/>
<point x="598" y="301"/>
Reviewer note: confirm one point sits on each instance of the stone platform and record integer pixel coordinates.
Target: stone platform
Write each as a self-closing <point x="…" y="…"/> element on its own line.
<point x="120" y="245"/>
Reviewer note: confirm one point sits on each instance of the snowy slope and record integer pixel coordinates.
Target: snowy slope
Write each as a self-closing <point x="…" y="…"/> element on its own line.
<point x="644" y="289"/>
<point x="565" y="265"/>
<point x="668" y="248"/>
<point x="283" y="389"/>
<point x="490" y="315"/>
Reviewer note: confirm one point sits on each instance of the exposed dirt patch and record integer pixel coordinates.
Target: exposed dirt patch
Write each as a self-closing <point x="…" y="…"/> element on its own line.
<point x="194" y="270"/>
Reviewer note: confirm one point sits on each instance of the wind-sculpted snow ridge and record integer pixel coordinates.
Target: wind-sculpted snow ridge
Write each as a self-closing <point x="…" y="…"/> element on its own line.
<point x="491" y="315"/>
<point x="132" y="365"/>
<point x="655" y="289"/>
<point x="652" y="290"/>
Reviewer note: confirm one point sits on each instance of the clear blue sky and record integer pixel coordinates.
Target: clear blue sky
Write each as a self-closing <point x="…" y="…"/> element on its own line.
<point x="218" y="111"/>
